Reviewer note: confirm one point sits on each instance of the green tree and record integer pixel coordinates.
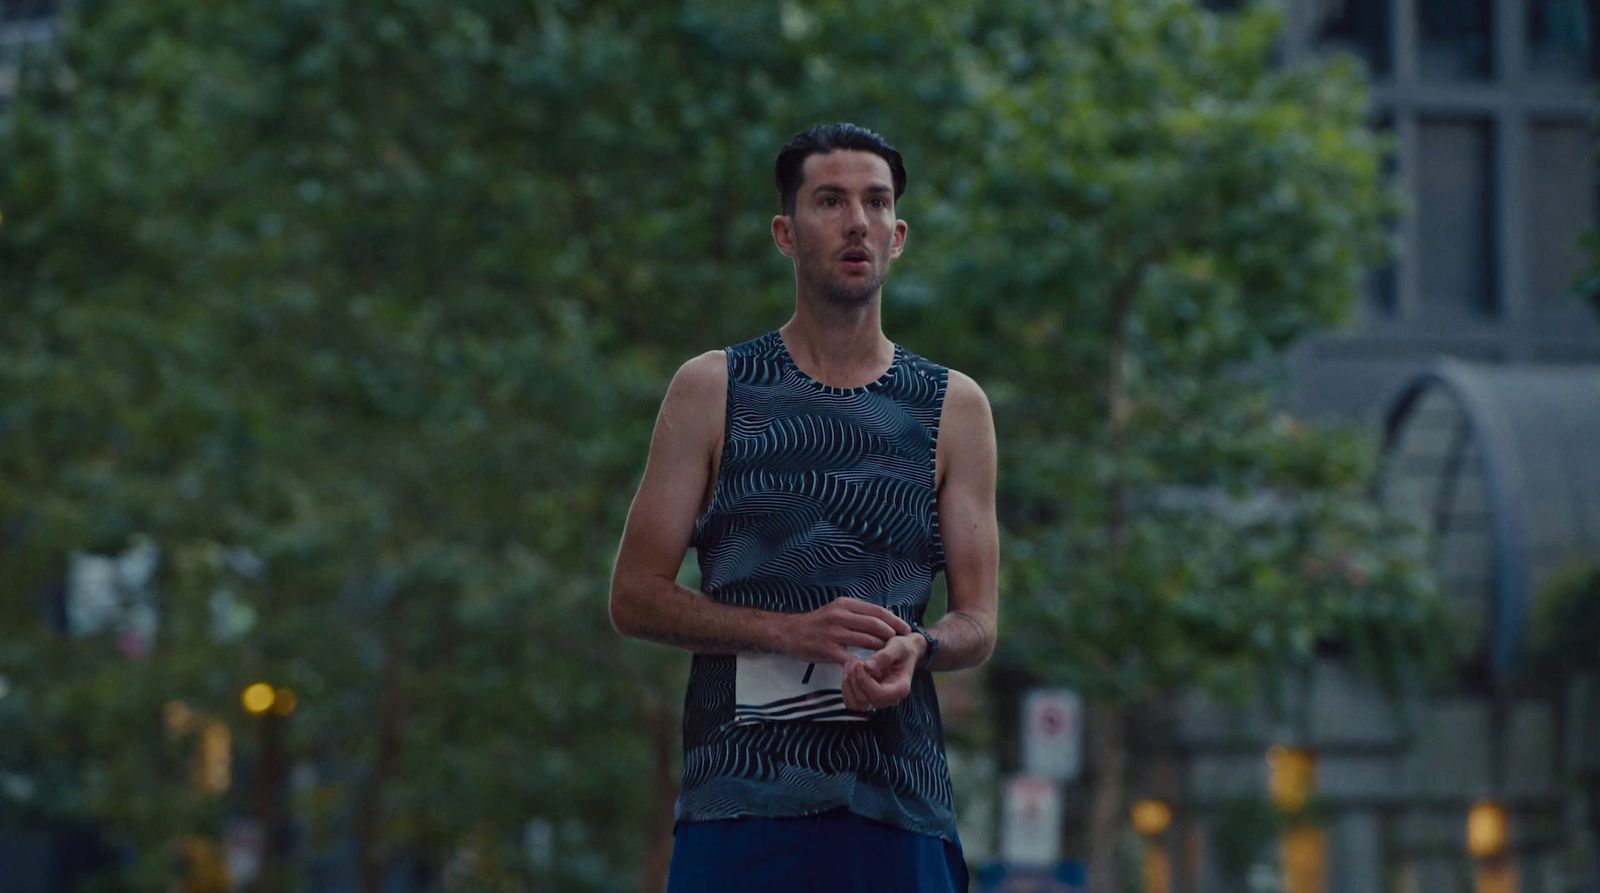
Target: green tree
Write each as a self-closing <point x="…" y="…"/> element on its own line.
<point x="277" y="300"/>
<point x="1161" y="211"/>
<point x="360" y="313"/>
<point x="1566" y="622"/>
<point x="1588" y="286"/>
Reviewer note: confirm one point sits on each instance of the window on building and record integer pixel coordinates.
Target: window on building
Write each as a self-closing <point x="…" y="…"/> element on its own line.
<point x="1561" y="39"/>
<point x="1455" y="208"/>
<point x="1360" y="27"/>
<point x="24" y="10"/>
<point x="21" y="22"/>
<point x="1456" y="39"/>
<point x="1563" y="201"/>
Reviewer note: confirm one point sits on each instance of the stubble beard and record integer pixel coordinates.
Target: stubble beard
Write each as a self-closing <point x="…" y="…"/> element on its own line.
<point x="841" y="292"/>
<point x="846" y="294"/>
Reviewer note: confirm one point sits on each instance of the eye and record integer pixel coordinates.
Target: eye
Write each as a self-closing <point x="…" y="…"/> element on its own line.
<point x="830" y="201"/>
<point x="879" y="203"/>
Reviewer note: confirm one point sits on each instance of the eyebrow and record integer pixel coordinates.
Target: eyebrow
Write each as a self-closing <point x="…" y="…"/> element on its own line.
<point x="876" y="189"/>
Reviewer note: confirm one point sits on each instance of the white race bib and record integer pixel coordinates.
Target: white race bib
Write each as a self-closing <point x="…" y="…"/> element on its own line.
<point x="779" y="688"/>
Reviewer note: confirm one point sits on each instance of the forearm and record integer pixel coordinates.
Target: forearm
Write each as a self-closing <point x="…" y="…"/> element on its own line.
<point x="966" y="639"/>
<point x="659" y="610"/>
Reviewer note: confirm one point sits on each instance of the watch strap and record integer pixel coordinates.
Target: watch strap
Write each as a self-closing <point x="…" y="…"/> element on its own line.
<point x="933" y="645"/>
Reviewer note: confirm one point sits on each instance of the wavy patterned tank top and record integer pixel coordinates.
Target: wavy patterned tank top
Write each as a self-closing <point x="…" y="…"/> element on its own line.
<point x="822" y="492"/>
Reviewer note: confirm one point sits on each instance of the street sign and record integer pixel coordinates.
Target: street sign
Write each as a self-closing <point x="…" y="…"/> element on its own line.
<point x="1031" y="832"/>
<point x="1052" y="734"/>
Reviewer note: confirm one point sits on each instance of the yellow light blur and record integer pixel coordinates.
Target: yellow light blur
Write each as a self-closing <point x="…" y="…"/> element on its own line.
<point x="1157" y="869"/>
<point x="1495" y="876"/>
<point x="285" y="701"/>
<point x="1488" y="829"/>
<point x="1151" y="817"/>
<point x="177" y="717"/>
<point x="204" y="865"/>
<point x="1304" y="855"/>
<point x="214" y="760"/>
<point x="258" y="698"/>
<point x="1292" y="777"/>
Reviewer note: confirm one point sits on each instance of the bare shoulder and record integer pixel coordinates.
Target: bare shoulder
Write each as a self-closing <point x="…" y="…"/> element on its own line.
<point x="706" y="373"/>
<point x="966" y="431"/>
<point x="696" y="400"/>
<point x="965" y="403"/>
<point x="702" y="382"/>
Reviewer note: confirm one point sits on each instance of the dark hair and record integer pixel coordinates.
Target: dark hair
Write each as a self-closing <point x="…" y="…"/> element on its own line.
<point x="822" y="139"/>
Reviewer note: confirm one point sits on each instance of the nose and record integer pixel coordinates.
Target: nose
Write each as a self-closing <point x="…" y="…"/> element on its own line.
<point x="855" y="221"/>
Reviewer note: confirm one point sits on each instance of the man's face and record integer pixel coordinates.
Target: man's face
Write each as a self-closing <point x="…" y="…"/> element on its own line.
<point x="843" y="234"/>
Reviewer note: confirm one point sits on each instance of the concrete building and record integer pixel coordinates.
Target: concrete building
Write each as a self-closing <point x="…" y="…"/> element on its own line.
<point x="1492" y="106"/>
<point x="22" y="23"/>
<point x="1477" y="361"/>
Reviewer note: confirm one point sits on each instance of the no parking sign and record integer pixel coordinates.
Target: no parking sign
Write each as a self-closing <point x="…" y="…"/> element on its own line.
<point x="1052" y="734"/>
<point x="1031" y="831"/>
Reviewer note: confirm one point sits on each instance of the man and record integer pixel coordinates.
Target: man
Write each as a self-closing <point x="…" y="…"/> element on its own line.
<point x="825" y="475"/>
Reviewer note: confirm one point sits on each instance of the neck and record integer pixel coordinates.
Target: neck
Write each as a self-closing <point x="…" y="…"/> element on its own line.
<point x="839" y="345"/>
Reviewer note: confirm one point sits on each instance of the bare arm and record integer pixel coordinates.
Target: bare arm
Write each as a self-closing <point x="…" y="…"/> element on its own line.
<point x="646" y="600"/>
<point x="969" y="528"/>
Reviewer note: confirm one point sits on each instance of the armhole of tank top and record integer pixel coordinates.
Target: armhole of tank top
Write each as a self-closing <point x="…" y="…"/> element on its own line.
<point x="722" y="454"/>
<point x="935" y="536"/>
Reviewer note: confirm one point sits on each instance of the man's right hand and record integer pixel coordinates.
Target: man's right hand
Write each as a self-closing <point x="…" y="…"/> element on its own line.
<point x="828" y="633"/>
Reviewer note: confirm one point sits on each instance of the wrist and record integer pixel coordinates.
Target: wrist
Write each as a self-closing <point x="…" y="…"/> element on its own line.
<point x="774" y="632"/>
<point x="925" y="645"/>
<point x="918" y="646"/>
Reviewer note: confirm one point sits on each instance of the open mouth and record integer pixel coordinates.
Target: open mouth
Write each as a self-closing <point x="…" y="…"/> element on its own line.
<point x="854" y="256"/>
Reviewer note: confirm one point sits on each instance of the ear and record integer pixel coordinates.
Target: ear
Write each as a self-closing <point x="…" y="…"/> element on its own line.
<point x="898" y="243"/>
<point x="783" y="234"/>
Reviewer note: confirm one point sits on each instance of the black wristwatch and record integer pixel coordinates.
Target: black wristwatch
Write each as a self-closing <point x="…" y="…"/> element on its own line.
<point x="933" y="645"/>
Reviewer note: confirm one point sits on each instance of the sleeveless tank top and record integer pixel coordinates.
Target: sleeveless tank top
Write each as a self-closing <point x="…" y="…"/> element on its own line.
<point x="822" y="492"/>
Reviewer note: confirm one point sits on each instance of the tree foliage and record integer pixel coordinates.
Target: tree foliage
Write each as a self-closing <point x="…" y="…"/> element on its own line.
<point x="1566" y="621"/>
<point x="360" y="312"/>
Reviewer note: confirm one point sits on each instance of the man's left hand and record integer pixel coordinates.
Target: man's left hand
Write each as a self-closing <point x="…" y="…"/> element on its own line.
<point x="884" y="679"/>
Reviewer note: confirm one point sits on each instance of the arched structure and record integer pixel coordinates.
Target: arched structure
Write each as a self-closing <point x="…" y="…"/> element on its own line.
<point x="1501" y="465"/>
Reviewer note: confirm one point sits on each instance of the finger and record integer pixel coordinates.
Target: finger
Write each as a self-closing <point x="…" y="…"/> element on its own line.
<point x="867" y="692"/>
<point x="851" y="688"/>
<point x="868" y="686"/>
<point x="896" y="625"/>
<point x="884" y="693"/>
<point x="878" y="612"/>
<point x="879" y="664"/>
<point x="858" y="639"/>
<point x="887" y="659"/>
<point x="856" y="605"/>
<point x="826" y="652"/>
<point x="881" y="695"/>
<point x="871" y="624"/>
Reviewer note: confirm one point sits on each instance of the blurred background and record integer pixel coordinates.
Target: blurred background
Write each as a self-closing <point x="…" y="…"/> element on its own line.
<point x="332" y="334"/>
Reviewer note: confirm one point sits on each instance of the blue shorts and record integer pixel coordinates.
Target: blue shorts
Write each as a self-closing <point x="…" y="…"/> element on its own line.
<point x="834" y="852"/>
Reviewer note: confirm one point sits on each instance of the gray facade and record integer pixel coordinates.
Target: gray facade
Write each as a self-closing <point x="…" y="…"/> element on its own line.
<point x="1496" y="463"/>
<point x="23" y="23"/>
<point x="1491" y="106"/>
<point x="1478" y="362"/>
